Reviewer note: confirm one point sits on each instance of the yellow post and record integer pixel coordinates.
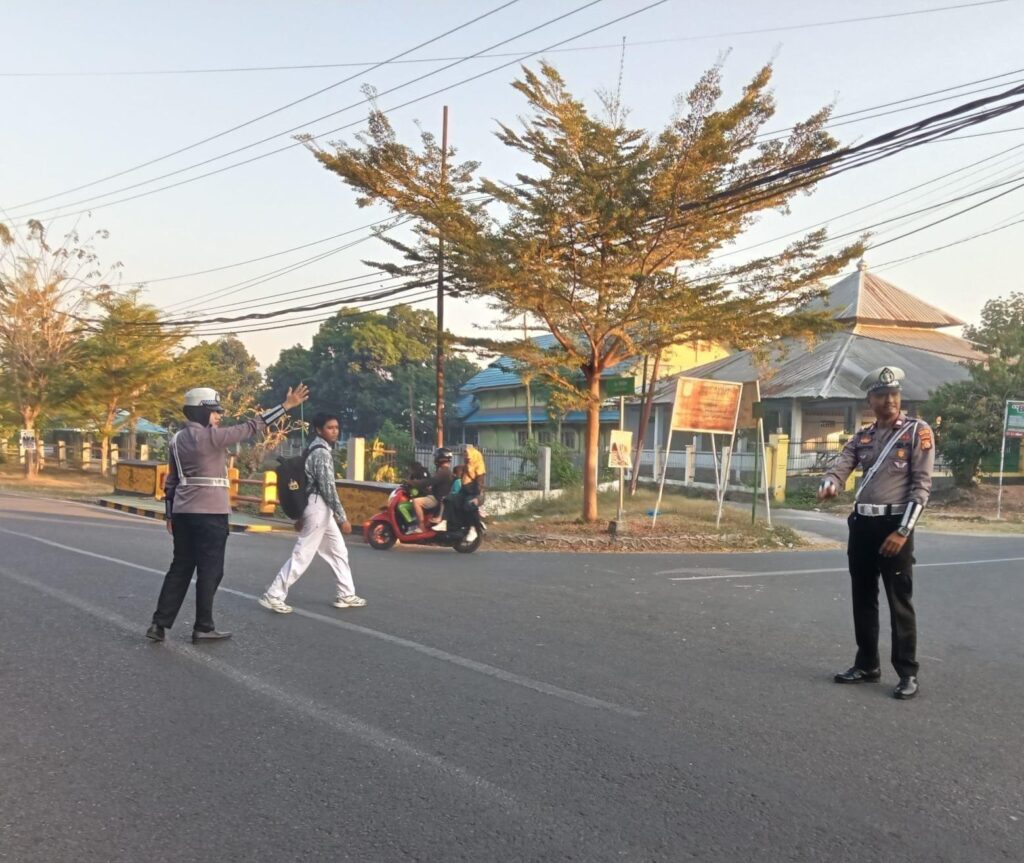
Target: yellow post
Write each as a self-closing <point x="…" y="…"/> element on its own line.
<point x="779" y="464"/>
<point x="269" y="504"/>
<point x="161" y="478"/>
<point x="233" y="484"/>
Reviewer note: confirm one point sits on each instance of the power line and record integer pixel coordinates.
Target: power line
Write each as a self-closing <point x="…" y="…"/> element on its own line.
<point x="427" y="295"/>
<point x="258" y="316"/>
<point x="271" y="113"/>
<point x="985" y="134"/>
<point x="142" y="282"/>
<point x="778" y="134"/>
<point x="306" y="293"/>
<point x="293" y="129"/>
<point x="950" y="216"/>
<point x="944" y="246"/>
<point x="368" y="63"/>
<point x="812" y="171"/>
<point x="867" y="206"/>
<point x="263" y="278"/>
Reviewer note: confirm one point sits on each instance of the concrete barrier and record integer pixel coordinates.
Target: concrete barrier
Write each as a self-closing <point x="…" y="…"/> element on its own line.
<point x="135" y="476"/>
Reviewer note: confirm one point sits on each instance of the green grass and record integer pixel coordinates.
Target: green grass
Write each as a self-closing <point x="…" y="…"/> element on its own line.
<point x="55" y="482"/>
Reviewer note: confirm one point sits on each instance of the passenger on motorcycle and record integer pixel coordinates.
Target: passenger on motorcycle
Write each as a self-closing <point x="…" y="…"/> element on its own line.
<point x="462" y="508"/>
<point x="439" y="485"/>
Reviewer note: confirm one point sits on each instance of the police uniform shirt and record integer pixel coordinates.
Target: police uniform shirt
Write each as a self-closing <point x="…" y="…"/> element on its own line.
<point x="202" y="452"/>
<point x="906" y="474"/>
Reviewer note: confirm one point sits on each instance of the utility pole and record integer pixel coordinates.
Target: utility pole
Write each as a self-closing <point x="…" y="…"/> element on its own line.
<point x="529" y="394"/>
<point x="440" y="288"/>
<point x="412" y="418"/>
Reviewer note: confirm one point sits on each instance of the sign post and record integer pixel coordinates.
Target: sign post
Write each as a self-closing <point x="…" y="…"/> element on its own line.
<point x="1013" y="427"/>
<point x="620" y="448"/>
<point x="703" y="407"/>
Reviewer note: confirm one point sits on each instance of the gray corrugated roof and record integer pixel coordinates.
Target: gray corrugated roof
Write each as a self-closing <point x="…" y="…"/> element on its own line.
<point x="833" y="368"/>
<point x="929" y="340"/>
<point x="865" y="298"/>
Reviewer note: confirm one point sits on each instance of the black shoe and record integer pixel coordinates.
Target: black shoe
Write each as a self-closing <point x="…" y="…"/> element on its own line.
<point x="198" y="636"/>
<point x="906" y="688"/>
<point x="155" y="633"/>
<point x="858" y="675"/>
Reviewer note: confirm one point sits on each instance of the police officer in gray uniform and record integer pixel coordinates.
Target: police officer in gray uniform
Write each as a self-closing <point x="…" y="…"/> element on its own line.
<point x="897" y="455"/>
<point x="198" y="503"/>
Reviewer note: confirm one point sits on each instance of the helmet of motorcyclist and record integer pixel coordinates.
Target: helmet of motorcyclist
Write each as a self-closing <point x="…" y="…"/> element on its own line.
<point x="200" y="402"/>
<point x="442" y="454"/>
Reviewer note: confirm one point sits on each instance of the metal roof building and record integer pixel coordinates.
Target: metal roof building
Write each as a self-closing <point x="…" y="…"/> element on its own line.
<point x="812" y="390"/>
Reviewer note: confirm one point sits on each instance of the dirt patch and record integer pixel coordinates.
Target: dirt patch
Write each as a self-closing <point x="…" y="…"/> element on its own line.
<point x="684" y="525"/>
<point x="974" y="509"/>
<point x="56" y="482"/>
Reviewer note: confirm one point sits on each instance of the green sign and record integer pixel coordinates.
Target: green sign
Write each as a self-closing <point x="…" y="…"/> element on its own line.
<point x="620" y="386"/>
<point x="1015" y="419"/>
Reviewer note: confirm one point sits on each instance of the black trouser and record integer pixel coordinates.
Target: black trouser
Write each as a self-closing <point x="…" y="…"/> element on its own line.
<point x="867" y="534"/>
<point x="199" y="542"/>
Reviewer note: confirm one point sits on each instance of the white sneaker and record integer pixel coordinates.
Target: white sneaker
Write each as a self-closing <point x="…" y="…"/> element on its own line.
<point x="272" y="604"/>
<point x="352" y="601"/>
<point x="440" y="527"/>
<point x="471" y="535"/>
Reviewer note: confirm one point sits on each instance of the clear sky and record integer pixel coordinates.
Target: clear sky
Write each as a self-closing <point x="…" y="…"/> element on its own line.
<point x="64" y="131"/>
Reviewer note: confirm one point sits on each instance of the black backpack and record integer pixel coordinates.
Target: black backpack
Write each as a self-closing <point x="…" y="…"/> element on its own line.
<point x="292" y="489"/>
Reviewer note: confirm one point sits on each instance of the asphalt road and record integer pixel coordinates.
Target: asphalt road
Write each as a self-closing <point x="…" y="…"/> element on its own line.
<point x="499" y="707"/>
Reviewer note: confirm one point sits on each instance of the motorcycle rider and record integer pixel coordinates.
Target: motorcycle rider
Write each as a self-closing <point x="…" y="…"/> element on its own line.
<point x="438" y="486"/>
<point x="197" y="505"/>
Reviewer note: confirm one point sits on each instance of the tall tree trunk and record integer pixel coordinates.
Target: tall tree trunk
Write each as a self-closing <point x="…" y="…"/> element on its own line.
<point x="645" y="418"/>
<point x="592" y="447"/>
<point x="105" y="455"/>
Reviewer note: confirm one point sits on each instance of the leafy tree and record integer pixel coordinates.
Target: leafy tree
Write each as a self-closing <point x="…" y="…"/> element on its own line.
<point x="127" y="364"/>
<point x="361" y="367"/>
<point x="968" y="415"/>
<point x="608" y="241"/>
<point x="44" y="289"/>
<point x="229" y="368"/>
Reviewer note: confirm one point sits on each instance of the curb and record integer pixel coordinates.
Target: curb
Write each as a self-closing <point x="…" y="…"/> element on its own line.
<point x="159" y="516"/>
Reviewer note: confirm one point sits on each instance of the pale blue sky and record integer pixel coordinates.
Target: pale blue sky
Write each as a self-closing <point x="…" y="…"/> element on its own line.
<point x="61" y="132"/>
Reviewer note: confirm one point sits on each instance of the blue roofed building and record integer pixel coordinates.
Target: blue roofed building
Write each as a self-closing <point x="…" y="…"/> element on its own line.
<point x="492" y="407"/>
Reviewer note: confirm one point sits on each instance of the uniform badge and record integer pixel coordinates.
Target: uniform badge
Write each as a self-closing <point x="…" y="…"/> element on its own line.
<point x="925" y="436"/>
<point x="901" y="453"/>
<point x="865" y="440"/>
<point x="899" y="465"/>
<point x="905" y="439"/>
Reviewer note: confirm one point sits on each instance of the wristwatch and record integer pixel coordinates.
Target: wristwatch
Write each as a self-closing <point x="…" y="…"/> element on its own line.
<point x="903" y="530"/>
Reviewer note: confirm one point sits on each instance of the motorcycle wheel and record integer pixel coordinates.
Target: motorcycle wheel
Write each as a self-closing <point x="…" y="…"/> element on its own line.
<point x="463" y="547"/>
<point x="381" y="537"/>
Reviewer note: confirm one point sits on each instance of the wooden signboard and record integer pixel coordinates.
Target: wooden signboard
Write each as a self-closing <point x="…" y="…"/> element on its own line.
<point x="706" y="407"/>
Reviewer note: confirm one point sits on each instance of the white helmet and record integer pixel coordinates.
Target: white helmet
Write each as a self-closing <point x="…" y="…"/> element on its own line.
<point x="204" y="397"/>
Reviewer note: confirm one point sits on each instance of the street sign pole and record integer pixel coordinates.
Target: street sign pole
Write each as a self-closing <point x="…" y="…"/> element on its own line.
<point x="757" y="482"/>
<point x="622" y="470"/>
<point x="1002" y="463"/>
<point x="764" y="461"/>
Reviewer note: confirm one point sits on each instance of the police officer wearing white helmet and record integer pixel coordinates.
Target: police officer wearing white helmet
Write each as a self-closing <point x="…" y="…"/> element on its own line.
<point x="897" y="454"/>
<point x="198" y="503"/>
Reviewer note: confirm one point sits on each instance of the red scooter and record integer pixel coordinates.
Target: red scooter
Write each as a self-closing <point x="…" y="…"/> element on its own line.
<point x="388" y="526"/>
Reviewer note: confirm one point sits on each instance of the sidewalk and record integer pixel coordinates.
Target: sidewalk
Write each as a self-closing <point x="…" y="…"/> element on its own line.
<point x="146" y="506"/>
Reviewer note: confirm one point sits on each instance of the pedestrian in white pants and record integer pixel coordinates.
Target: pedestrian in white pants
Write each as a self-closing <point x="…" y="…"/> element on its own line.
<point x="321" y="527"/>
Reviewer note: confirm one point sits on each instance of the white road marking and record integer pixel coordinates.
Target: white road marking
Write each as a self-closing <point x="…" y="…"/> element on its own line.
<point x="829" y="569"/>
<point x="292" y="701"/>
<point x="426" y="650"/>
<point x="76" y="522"/>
